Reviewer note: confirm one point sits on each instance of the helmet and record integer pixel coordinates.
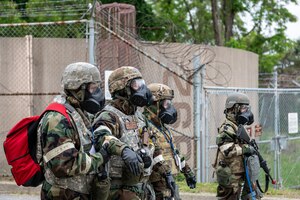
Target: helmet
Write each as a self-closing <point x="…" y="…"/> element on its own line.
<point x="120" y="77"/>
<point x="236" y="98"/>
<point x="161" y="91"/>
<point x="79" y="73"/>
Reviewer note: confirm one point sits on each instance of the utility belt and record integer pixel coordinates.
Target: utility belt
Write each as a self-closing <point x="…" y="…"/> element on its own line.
<point x="138" y="188"/>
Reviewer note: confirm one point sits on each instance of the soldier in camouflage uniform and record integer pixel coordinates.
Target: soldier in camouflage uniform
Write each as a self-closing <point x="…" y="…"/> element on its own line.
<point x="167" y="161"/>
<point x="128" y="92"/>
<point x="69" y="158"/>
<point x="229" y="161"/>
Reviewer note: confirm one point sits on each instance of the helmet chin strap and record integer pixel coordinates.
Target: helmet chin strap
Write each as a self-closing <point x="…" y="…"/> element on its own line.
<point x="153" y="116"/>
<point x="125" y="100"/>
<point x="121" y="97"/>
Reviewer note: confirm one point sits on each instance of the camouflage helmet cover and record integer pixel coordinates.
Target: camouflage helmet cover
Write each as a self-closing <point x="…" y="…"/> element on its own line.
<point x="79" y="73"/>
<point x="236" y="98"/>
<point x="160" y="91"/>
<point x="120" y="77"/>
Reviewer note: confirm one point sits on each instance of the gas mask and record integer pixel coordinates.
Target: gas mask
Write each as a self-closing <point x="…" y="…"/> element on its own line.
<point x="245" y="116"/>
<point x="140" y="94"/>
<point x="167" y="113"/>
<point x="93" y="99"/>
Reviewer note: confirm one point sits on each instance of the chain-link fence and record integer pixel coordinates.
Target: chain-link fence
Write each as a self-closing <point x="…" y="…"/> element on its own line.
<point x="118" y="45"/>
<point x="32" y="58"/>
<point x="276" y="112"/>
<point x="35" y="55"/>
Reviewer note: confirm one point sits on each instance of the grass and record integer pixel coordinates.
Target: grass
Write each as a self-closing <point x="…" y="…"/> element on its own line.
<point x="212" y="188"/>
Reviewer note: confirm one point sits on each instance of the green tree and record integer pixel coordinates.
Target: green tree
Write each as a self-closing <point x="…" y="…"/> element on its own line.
<point x="53" y="10"/>
<point x="221" y="22"/>
<point x="9" y="12"/>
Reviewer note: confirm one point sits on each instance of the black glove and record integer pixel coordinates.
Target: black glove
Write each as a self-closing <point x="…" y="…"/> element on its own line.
<point x="248" y="150"/>
<point x="104" y="152"/>
<point x="189" y="177"/>
<point x="191" y="181"/>
<point x="170" y="183"/>
<point x="132" y="161"/>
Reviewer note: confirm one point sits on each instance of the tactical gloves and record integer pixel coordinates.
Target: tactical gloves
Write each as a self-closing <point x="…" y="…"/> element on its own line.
<point x="104" y="152"/>
<point x="191" y="181"/>
<point x="132" y="161"/>
<point x="189" y="177"/>
<point x="248" y="150"/>
<point x="170" y="183"/>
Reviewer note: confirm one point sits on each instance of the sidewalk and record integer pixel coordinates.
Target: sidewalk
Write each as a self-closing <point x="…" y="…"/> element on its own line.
<point x="10" y="187"/>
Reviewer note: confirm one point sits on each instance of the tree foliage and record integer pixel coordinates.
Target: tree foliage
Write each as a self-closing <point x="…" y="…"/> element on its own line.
<point x="222" y="23"/>
<point x="9" y="12"/>
<point x="253" y="25"/>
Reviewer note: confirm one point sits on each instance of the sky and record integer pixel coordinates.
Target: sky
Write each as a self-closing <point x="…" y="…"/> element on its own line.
<point x="293" y="29"/>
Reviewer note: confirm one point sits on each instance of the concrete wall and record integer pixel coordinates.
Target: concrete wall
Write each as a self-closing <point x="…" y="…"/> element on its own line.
<point x="30" y="65"/>
<point x="35" y="65"/>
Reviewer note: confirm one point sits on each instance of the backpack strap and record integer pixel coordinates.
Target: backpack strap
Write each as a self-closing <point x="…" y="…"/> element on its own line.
<point x="61" y="108"/>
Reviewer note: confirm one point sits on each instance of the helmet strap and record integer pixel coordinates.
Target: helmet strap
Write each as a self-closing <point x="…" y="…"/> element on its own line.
<point x="74" y="94"/>
<point x="153" y="116"/>
<point x="121" y="97"/>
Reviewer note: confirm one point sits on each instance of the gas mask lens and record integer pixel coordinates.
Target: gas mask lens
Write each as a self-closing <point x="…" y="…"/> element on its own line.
<point x="166" y="104"/>
<point x="244" y="108"/>
<point x="136" y="84"/>
<point x="92" y="87"/>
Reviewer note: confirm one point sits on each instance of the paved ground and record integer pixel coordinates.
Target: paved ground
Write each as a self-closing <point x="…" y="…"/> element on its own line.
<point x="10" y="191"/>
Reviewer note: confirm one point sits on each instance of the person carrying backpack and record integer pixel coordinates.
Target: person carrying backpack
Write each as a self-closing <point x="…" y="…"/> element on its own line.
<point x="69" y="155"/>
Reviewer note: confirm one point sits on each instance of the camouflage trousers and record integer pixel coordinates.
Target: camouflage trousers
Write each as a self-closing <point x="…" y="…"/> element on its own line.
<point x="100" y="189"/>
<point x="123" y="194"/>
<point x="50" y="192"/>
<point x="128" y="192"/>
<point x="231" y="191"/>
<point x="162" y="192"/>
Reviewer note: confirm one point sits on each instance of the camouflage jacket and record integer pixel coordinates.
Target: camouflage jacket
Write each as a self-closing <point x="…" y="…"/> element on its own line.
<point x="166" y="157"/>
<point x="113" y="116"/>
<point x="229" y="148"/>
<point x="65" y="148"/>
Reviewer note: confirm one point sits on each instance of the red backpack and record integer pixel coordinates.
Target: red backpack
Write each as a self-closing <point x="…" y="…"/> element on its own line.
<point x="20" y="148"/>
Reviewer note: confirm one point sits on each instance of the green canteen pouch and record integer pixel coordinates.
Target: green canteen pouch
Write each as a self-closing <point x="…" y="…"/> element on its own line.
<point x="224" y="175"/>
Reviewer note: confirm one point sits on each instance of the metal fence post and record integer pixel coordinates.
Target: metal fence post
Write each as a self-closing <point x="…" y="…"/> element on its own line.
<point x="92" y="39"/>
<point x="277" y="158"/>
<point x="197" y="114"/>
<point x="198" y="118"/>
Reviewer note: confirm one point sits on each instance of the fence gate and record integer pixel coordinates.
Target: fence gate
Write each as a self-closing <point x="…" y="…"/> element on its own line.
<point x="275" y="129"/>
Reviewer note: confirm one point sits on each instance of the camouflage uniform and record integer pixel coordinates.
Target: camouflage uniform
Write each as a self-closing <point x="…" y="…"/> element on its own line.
<point x="229" y="163"/>
<point x="69" y="172"/>
<point x="166" y="157"/>
<point x="230" y="167"/>
<point x="69" y="164"/>
<point x="125" y="123"/>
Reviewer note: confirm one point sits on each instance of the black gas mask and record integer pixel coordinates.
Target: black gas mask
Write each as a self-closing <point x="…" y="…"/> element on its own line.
<point x="94" y="99"/>
<point x="140" y="94"/>
<point x="167" y="112"/>
<point x="245" y="116"/>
